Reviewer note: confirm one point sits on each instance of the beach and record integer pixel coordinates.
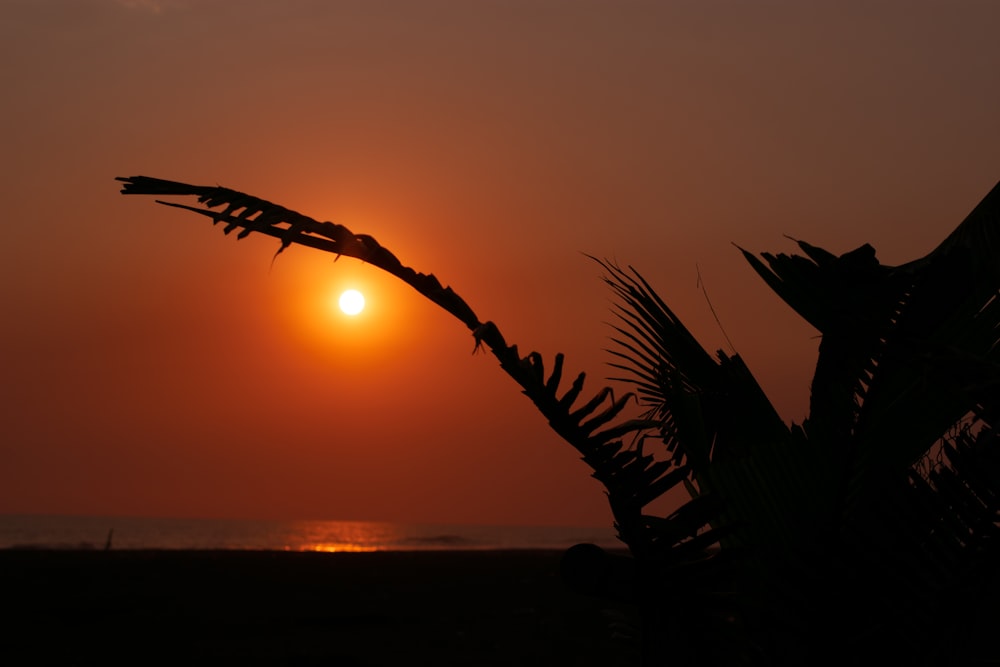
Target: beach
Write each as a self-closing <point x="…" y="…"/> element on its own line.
<point x="302" y="608"/>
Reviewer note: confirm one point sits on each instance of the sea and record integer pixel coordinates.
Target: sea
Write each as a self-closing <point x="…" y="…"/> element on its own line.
<point x="93" y="532"/>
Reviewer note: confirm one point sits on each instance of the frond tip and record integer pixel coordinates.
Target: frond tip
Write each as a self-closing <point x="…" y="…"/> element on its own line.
<point x="254" y="215"/>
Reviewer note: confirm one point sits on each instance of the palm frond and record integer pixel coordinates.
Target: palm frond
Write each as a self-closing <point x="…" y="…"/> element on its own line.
<point x="595" y="428"/>
<point x="887" y="332"/>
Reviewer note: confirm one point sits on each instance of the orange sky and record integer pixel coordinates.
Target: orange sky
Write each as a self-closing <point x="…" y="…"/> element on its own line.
<point x="151" y="366"/>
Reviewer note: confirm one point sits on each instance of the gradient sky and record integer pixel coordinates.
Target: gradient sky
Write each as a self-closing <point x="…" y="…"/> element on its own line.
<point x="151" y="366"/>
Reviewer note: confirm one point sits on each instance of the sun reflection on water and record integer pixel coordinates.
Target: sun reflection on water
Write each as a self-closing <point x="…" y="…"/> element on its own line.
<point x="337" y="547"/>
<point x="342" y="536"/>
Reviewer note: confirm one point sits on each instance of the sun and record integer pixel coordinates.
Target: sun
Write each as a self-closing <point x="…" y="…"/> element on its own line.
<point x="352" y="302"/>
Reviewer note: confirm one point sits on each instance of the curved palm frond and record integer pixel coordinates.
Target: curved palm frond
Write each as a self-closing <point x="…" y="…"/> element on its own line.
<point x="595" y="428"/>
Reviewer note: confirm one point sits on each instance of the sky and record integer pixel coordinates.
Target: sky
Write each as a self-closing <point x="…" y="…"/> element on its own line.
<point x="151" y="366"/>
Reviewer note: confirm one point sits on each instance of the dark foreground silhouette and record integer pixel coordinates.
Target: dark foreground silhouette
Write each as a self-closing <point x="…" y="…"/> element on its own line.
<point x="294" y="608"/>
<point x="870" y="532"/>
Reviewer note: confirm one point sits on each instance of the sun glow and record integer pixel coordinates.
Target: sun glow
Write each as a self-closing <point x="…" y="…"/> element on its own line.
<point x="352" y="302"/>
<point x="311" y="297"/>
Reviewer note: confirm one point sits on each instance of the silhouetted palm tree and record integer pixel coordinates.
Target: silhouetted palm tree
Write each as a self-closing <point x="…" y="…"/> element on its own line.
<point x="869" y="532"/>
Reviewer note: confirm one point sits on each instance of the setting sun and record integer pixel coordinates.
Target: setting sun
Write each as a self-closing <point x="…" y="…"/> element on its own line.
<point x="352" y="302"/>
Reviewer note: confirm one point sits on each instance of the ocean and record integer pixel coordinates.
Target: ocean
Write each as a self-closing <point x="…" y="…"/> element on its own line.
<point x="86" y="532"/>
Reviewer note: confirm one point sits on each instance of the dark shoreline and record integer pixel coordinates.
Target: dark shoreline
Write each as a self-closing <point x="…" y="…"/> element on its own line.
<point x="302" y="608"/>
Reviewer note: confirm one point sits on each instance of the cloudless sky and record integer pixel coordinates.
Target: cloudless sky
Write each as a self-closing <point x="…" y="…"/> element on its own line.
<point x="151" y="366"/>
